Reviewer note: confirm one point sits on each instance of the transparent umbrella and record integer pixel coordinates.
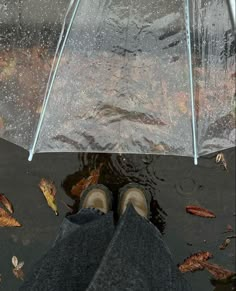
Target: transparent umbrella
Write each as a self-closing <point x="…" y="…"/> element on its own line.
<point x="125" y="76"/>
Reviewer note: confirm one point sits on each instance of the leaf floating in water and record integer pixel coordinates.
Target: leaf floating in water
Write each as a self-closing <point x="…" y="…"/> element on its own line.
<point x="49" y="191"/>
<point x="86" y="182"/>
<point x="220" y="158"/>
<point x="224" y="244"/>
<point x="192" y="263"/>
<point x="199" y="211"/>
<point x="6" y="202"/>
<point x="17" y="270"/>
<point x="6" y="220"/>
<point x="218" y="272"/>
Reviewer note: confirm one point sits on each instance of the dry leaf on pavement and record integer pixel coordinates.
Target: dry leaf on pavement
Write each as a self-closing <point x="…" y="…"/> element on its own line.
<point x="224" y="244"/>
<point x="192" y="263"/>
<point x="6" y="202"/>
<point x="86" y="182"/>
<point x="199" y="211"/>
<point x="220" y="158"/>
<point x="6" y="220"/>
<point x="14" y="261"/>
<point x="218" y="272"/>
<point x="49" y="191"/>
<point x="19" y="274"/>
<point x="17" y="270"/>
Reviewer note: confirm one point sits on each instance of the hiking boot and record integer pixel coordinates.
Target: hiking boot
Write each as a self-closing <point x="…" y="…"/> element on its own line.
<point x="136" y="195"/>
<point x="98" y="197"/>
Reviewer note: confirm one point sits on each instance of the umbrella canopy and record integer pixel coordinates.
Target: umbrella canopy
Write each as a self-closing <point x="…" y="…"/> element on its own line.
<point x="131" y="76"/>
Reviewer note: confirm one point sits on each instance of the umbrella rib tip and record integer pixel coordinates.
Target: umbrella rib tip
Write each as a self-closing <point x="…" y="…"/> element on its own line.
<point x="30" y="156"/>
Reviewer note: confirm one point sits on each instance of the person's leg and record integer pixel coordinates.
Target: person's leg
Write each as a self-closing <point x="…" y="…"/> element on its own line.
<point x="95" y="201"/>
<point x="137" y="257"/>
<point x="82" y="241"/>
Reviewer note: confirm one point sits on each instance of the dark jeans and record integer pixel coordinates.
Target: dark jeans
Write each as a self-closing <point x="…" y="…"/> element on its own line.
<point x="90" y="253"/>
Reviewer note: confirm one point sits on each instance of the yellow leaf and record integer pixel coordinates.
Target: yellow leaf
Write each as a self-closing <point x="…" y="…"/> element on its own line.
<point x="49" y="191"/>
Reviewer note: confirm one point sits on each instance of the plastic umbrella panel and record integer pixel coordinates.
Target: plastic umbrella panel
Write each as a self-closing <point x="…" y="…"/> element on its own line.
<point x="120" y="81"/>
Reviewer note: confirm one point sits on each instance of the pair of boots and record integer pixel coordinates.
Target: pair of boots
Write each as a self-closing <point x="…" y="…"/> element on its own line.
<point x="100" y="197"/>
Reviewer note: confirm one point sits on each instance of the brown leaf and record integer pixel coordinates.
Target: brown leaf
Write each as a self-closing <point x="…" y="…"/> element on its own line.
<point x="220" y="158"/>
<point x="19" y="274"/>
<point x="0" y="278"/>
<point x="7" y="220"/>
<point x="218" y="272"/>
<point x="6" y="202"/>
<point x="17" y="270"/>
<point x="85" y="183"/>
<point x="20" y="265"/>
<point x="49" y="191"/>
<point x="192" y="263"/>
<point x="199" y="211"/>
<point x="224" y="244"/>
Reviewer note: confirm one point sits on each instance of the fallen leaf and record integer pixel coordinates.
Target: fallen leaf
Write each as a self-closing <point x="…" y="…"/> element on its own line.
<point x="20" y="265"/>
<point x="7" y="220"/>
<point x="224" y="244"/>
<point x="192" y="263"/>
<point x="85" y="183"/>
<point x="49" y="191"/>
<point x="6" y="202"/>
<point x="19" y="274"/>
<point x="14" y="261"/>
<point x="218" y="272"/>
<point x="220" y="158"/>
<point x="0" y="278"/>
<point x="199" y="211"/>
<point x="17" y="270"/>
